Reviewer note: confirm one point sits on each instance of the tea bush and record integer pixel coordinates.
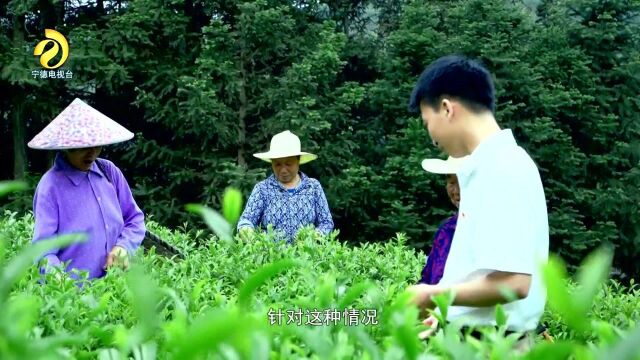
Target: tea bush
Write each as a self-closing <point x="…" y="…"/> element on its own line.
<point x="222" y="301"/>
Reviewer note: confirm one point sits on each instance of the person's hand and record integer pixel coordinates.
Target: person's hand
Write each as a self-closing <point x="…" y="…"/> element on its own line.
<point x="422" y="294"/>
<point x="245" y="233"/>
<point x="432" y="323"/>
<point x="117" y="257"/>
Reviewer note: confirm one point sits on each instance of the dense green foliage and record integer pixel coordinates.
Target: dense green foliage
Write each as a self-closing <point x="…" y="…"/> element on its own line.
<point x="217" y="300"/>
<point x="204" y="84"/>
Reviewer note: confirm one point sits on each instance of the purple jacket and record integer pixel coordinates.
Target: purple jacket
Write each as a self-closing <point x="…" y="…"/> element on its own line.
<point x="433" y="270"/>
<point x="68" y="200"/>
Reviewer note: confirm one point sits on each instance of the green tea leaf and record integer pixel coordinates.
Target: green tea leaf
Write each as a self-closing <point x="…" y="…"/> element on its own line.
<point x="408" y="339"/>
<point x="45" y="345"/>
<point x="320" y="345"/>
<point x="232" y="205"/>
<point x="457" y="349"/>
<point x="261" y="276"/>
<point x="593" y="272"/>
<point x="22" y="311"/>
<point x="147" y="351"/>
<point x="214" y="221"/>
<point x="325" y="290"/>
<point x="555" y="277"/>
<point x="180" y="308"/>
<point x="18" y="266"/>
<point x="501" y="316"/>
<point x="144" y="295"/>
<point x="261" y="347"/>
<point x="559" y="350"/>
<point x="365" y="340"/>
<point x="508" y="293"/>
<point x="606" y="332"/>
<point x="208" y="332"/>
<point x="443" y="302"/>
<point x="354" y="293"/>
<point x="109" y="354"/>
<point x="624" y="349"/>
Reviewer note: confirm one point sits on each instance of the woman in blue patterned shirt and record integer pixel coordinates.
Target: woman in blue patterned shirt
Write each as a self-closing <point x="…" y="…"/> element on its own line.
<point x="288" y="199"/>
<point x="434" y="268"/>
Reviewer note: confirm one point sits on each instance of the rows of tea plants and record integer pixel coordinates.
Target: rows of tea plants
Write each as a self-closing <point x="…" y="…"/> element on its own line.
<point x="255" y="298"/>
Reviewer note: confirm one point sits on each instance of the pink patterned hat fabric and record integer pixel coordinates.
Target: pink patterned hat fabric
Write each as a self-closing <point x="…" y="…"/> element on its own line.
<point x="79" y="126"/>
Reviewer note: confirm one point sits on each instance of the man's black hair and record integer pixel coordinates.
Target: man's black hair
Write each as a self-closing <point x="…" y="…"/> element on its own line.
<point x="457" y="77"/>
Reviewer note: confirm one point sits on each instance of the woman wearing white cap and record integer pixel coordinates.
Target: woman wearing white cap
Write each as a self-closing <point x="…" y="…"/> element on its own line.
<point x="288" y="199"/>
<point x="82" y="193"/>
<point x="434" y="268"/>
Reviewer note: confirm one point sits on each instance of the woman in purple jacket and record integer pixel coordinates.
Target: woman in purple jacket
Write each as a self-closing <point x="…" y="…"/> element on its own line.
<point x="434" y="268"/>
<point x="84" y="194"/>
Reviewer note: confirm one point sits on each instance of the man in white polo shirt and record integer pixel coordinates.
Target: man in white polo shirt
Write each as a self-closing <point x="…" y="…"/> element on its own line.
<point x="502" y="235"/>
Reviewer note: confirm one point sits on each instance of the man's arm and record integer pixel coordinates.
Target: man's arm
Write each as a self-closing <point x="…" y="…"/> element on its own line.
<point x="483" y="291"/>
<point x="488" y="290"/>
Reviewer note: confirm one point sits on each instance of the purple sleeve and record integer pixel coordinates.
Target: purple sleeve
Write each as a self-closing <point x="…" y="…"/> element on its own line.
<point x="45" y="212"/>
<point x="434" y="268"/>
<point x="431" y="273"/>
<point x="134" y="228"/>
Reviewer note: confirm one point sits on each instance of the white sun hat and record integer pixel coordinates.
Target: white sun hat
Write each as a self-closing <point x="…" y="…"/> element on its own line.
<point x="285" y="144"/>
<point x="79" y="126"/>
<point x="438" y="166"/>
